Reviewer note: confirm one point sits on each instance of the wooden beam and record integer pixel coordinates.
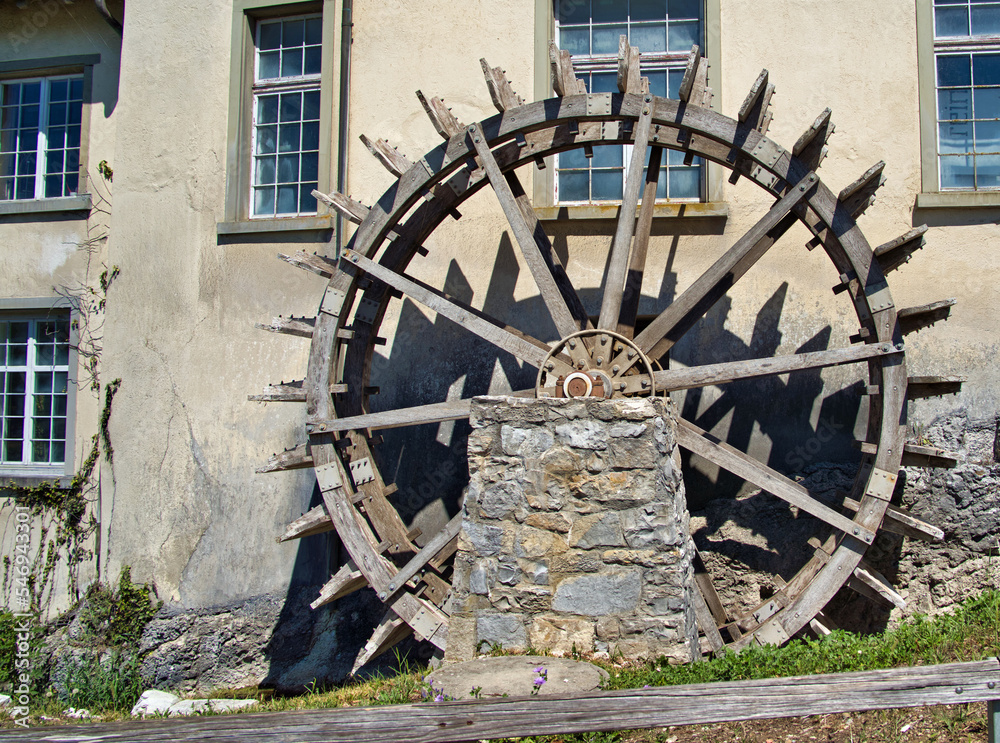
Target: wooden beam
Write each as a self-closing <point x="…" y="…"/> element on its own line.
<point x="632" y="292"/>
<point x="290" y="459"/>
<point x="757" y="93"/>
<point x="562" y="714"/>
<point x="629" y="80"/>
<point x="488" y="330"/>
<point x="729" y="371"/>
<point x="311" y="262"/>
<point x="912" y="319"/>
<point x="811" y="146"/>
<point x="390" y="631"/>
<point x="921" y="387"/>
<point x="702" y="443"/>
<point x="429" y="551"/>
<point x="345" y="581"/>
<point x="869" y="582"/>
<point x="858" y="196"/>
<point x="345" y="206"/>
<point x="898" y="521"/>
<point x="501" y="92"/>
<point x="671" y="324"/>
<point x="314" y="521"/>
<point x="614" y="285"/>
<point x="690" y="70"/>
<point x="441" y="117"/>
<point x="391" y="159"/>
<point x="532" y="248"/>
<point x="927" y="456"/>
<point x="564" y="79"/>
<point x="895" y="253"/>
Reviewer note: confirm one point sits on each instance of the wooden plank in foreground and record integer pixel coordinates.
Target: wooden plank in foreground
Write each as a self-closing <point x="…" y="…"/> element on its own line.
<point x="482" y="719"/>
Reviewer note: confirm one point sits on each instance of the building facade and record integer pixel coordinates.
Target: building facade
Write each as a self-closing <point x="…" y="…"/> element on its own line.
<point x="179" y="152"/>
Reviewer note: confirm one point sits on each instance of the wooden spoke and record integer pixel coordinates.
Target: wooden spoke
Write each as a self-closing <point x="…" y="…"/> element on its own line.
<point x="671" y="324"/>
<point x="869" y="582"/>
<point x="895" y="253"/>
<point x="532" y="247"/>
<point x="311" y="262"/>
<point x="438" y="543"/>
<point x="742" y="465"/>
<point x="615" y="283"/>
<point x="858" y="196"/>
<point x="702" y="376"/>
<point x="912" y="319"/>
<point x="530" y="351"/>
<point x="637" y="263"/>
<point x="415" y="416"/>
<point x="707" y="591"/>
<point x="390" y="631"/>
<point x="345" y="206"/>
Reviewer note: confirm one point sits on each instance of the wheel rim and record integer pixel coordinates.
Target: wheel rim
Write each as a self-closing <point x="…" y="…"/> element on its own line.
<point x="488" y="154"/>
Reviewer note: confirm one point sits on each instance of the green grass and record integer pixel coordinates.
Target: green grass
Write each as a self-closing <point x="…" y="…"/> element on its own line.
<point x="970" y="632"/>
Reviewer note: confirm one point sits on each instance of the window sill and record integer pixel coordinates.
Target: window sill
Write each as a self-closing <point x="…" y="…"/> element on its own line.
<point x="288" y="224"/>
<point x="14" y="479"/>
<point x="958" y="199"/>
<point x="80" y="202"/>
<point x="712" y="209"/>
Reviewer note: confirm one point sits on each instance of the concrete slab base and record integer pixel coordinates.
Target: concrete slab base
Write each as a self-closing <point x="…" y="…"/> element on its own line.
<point x="514" y="675"/>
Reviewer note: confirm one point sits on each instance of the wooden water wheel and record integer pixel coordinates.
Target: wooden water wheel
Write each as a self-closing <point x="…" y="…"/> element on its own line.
<point x="603" y="356"/>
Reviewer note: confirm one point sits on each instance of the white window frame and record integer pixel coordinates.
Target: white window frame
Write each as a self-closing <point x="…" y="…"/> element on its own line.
<point x="35" y="311"/>
<point x="41" y="147"/>
<point x="276" y="86"/>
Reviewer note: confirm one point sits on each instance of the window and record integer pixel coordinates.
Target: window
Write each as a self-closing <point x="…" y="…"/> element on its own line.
<point x="968" y="93"/>
<point x="35" y="359"/>
<point x="40" y="134"/>
<point x="282" y="115"/>
<point x="664" y="31"/>
<point x="286" y="94"/>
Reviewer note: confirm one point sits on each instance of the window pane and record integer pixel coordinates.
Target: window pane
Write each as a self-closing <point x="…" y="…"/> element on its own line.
<point x="270" y="35"/>
<point x="608" y="156"/>
<point x="658" y="82"/>
<point x="267" y="139"/>
<point x="76" y="89"/>
<point x="291" y="107"/>
<point x="54" y="162"/>
<point x="58" y="90"/>
<point x="57" y="114"/>
<point x="988" y="136"/>
<point x="263" y="201"/>
<point x="313" y="60"/>
<point x="288" y="138"/>
<point x="575" y="40"/>
<point x="650" y="37"/>
<point x="288" y="198"/>
<point x="314" y="30"/>
<point x="31" y="92"/>
<point x="957" y="171"/>
<point x="309" y="166"/>
<point x="266" y="169"/>
<point x="986" y="69"/>
<point x="307" y="202"/>
<point x="291" y="62"/>
<point x="573" y="159"/>
<point x="269" y="65"/>
<point x="986" y="19"/>
<point x="953" y="70"/>
<point x="684" y="183"/>
<point x="267" y="109"/>
<point x="648" y="10"/>
<point x="53" y="186"/>
<point x="310" y="136"/>
<point x="73" y="136"/>
<point x="683" y="35"/>
<point x="29" y="117"/>
<point x="684" y="9"/>
<point x="288" y="168"/>
<point x="310" y="105"/>
<point x="605" y="11"/>
<point x="954" y="104"/>
<point x="293" y="33"/>
<point x="950" y="22"/>
<point x="986" y="103"/>
<point x="572" y="11"/>
<point x="988" y="171"/>
<point x="675" y="77"/>
<point x="606" y="38"/>
<point x="13" y="451"/>
<point x="607" y="185"/>
<point x="604" y="82"/>
<point x="955" y="138"/>
<point x="574" y="186"/>
<point x="40" y="451"/>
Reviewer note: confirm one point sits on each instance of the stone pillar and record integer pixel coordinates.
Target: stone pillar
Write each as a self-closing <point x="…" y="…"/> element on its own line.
<point x="575" y="531"/>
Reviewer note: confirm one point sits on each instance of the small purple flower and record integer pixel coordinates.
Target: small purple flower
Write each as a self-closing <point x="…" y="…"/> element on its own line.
<point x="540" y="669"/>
<point x="539" y="681"/>
<point x="439" y="697"/>
<point x="647" y="686"/>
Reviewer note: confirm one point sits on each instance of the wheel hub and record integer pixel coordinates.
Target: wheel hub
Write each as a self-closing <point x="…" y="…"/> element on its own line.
<point x="605" y="365"/>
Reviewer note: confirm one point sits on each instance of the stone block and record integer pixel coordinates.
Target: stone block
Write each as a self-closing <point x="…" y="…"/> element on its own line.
<point x="525" y="442"/>
<point x="583" y="434"/>
<point x="558" y="522"/>
<point x="562" y="634"/>
<point x="501" y="629"/>
<point x="597" y="530"/>
<point x="598" y="594"/>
